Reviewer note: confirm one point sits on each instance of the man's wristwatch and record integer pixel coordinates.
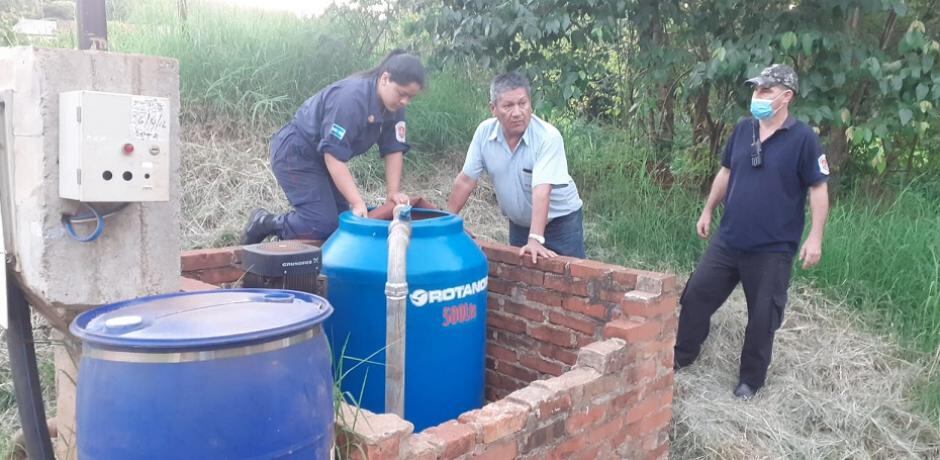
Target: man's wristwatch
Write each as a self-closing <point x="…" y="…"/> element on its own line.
<point x="539" y="238"/>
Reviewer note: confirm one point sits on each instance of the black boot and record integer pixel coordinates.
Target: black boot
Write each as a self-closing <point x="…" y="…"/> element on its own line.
<point x="260" y="225"/>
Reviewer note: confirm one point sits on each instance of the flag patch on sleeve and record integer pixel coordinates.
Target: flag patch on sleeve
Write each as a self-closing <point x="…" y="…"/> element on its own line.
<point x="400" y="131"/>
<point x="338" y="131"/>
<point x="823" y="165"/>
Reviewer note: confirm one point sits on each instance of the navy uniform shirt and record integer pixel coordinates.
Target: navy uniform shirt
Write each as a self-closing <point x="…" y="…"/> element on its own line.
<point x="765" y="206"/>
<point x="346" y="118"/>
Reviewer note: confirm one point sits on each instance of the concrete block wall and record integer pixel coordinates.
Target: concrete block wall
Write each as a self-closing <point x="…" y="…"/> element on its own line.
<point x="579" y="365"/>
<point x="137" y="253"/>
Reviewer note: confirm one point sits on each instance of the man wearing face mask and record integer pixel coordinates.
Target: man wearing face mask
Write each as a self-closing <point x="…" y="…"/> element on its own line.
<point x="769" y="164"/>
<point x="525" y="158"/>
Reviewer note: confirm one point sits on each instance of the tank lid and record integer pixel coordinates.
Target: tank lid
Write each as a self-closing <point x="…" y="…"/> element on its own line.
<point x="206" y="319"/>
<point x="424" y="223"/>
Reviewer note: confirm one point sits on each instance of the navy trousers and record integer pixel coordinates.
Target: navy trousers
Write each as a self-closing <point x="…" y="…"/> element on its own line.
<point x="765" y="277"/>
<point x="302" y="174"/>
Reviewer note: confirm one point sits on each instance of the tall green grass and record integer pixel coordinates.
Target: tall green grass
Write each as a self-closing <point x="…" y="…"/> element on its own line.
<point x="256" y="68"/>
<point x="880" y="256"/>
<point x="241" y="64"/>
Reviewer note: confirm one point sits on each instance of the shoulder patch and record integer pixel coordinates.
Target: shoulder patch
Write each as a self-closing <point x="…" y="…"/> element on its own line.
<point x="338" y="131"/>
<point x="823" y="165"/>
<point x="400" y="131"/>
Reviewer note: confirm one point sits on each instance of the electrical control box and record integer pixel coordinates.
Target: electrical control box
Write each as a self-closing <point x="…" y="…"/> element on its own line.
<point x="113" y="147"/>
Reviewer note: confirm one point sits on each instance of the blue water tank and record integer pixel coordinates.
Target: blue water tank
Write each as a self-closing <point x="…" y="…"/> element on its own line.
<point x="226" y="374"/>
<point x="445" y="320"/>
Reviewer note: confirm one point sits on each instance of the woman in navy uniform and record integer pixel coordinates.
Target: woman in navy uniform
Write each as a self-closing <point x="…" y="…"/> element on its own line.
<point x="343" y="120"/>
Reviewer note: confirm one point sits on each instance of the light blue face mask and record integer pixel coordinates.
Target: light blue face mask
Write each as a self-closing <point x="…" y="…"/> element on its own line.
<point x="762" y="109"/>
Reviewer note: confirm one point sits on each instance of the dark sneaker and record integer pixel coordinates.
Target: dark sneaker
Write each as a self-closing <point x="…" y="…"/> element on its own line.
<point x="744" y="391"/>
<point x="260" y="225"/>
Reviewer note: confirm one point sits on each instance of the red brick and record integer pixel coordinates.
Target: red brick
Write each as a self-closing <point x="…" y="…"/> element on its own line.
<point x="632" y="331"/>
<point x="665" y="399"/>
<point x="500" y="381"/>
<point x="455" y="438"/>
<point x="551" y="407"/>
<point x="590" y="269"/>
<point x="544" y="436"/>
<point x="525" y="311"/>
<point x="217" y="276"/>
<point x="505" y="322"/>
<point x="540" y="364"/>
<point x="500" y="353"/>
<point x="387" y="449"/>
<point x="624" y="279"/>
<point x="660" y="453"/>
<point x="652" y="349"/>
<point x="671" y="325"/>
<point x="202" y="259"/>
<point x="497" y="420"/>
<point x="657" y="283"/>
<point x="665" y="382"/>
<point x="190" y="285"/>
<point x="515" y="371"/>
<point x="500" y="252"/>
<point x="611" y="295"/>
<point x="589" y="453"/>
<point x="553" y="265"/>
<point x="605" y="431"/>
<point x="522" y="275"/>
<point x="544" y="297"/>
<point x="572" y="322"/>
<point x="583" y="340"/>
<point x="643" y="408"/>
<point x="504" y="450"/>
<point x="584" y="418"/>
<point x="660" y="307"/>
<point x="559" y="354"/>
<point x="493" y="268"/>
<point x="603" y="386"/>
<point x="495" y="394"/>
<point x="567" y="448"/>
<point x="500" y="286"/>
<point x="645" y="371"/>
<point x="419" y="448"/>
<point x="566" y="284"/>
<point x="586" y="307"/>
<point x="623" y="402"/>
<point x="494" y="301"/>
<point x="513" y="341"/>
<point x="652" y="423"/>
<point x="553" y="335"/>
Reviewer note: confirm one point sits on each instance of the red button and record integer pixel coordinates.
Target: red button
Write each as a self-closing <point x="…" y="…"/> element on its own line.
<point x="128" y="149"/>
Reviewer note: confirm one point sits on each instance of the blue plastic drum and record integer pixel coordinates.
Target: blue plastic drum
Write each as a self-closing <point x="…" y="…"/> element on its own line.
<point x="226" y="374"/>
<point x="445" y="321"/>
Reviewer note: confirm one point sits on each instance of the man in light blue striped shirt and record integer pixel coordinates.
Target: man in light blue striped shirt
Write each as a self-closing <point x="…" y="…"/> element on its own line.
<point x="525" y="158"/>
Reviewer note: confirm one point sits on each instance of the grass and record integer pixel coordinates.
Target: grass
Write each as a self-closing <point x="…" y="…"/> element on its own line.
<point x="243" y="73"/>
<point x="880" y="256"/>
<point x="240" y="64"/>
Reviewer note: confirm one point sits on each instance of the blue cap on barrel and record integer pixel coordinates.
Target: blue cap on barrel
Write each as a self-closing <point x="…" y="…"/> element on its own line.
<point x="206" y="319"/>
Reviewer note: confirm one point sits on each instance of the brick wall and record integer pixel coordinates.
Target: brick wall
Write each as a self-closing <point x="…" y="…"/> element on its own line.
<point x="579" y="365"/>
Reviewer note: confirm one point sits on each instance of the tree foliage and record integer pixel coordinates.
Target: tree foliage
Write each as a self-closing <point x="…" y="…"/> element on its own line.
<point x="869" y="71"/>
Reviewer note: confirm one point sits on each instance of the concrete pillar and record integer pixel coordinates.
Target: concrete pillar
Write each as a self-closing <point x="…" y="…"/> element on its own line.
<point x="138" y="253"/>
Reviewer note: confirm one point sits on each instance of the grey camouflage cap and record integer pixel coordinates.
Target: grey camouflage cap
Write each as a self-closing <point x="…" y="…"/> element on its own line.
<point x="777" y="74"/>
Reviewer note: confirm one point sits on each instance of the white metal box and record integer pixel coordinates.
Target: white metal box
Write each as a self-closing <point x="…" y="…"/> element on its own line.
<point x="113" y="147"/>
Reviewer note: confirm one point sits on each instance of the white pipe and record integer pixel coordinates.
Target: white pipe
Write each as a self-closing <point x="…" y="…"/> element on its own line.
<point x="396" y="295"/>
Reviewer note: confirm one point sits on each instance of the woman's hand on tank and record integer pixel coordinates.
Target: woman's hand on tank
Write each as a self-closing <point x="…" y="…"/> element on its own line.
<point x="398" y="198"/>
<point x="359" y="209"/>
